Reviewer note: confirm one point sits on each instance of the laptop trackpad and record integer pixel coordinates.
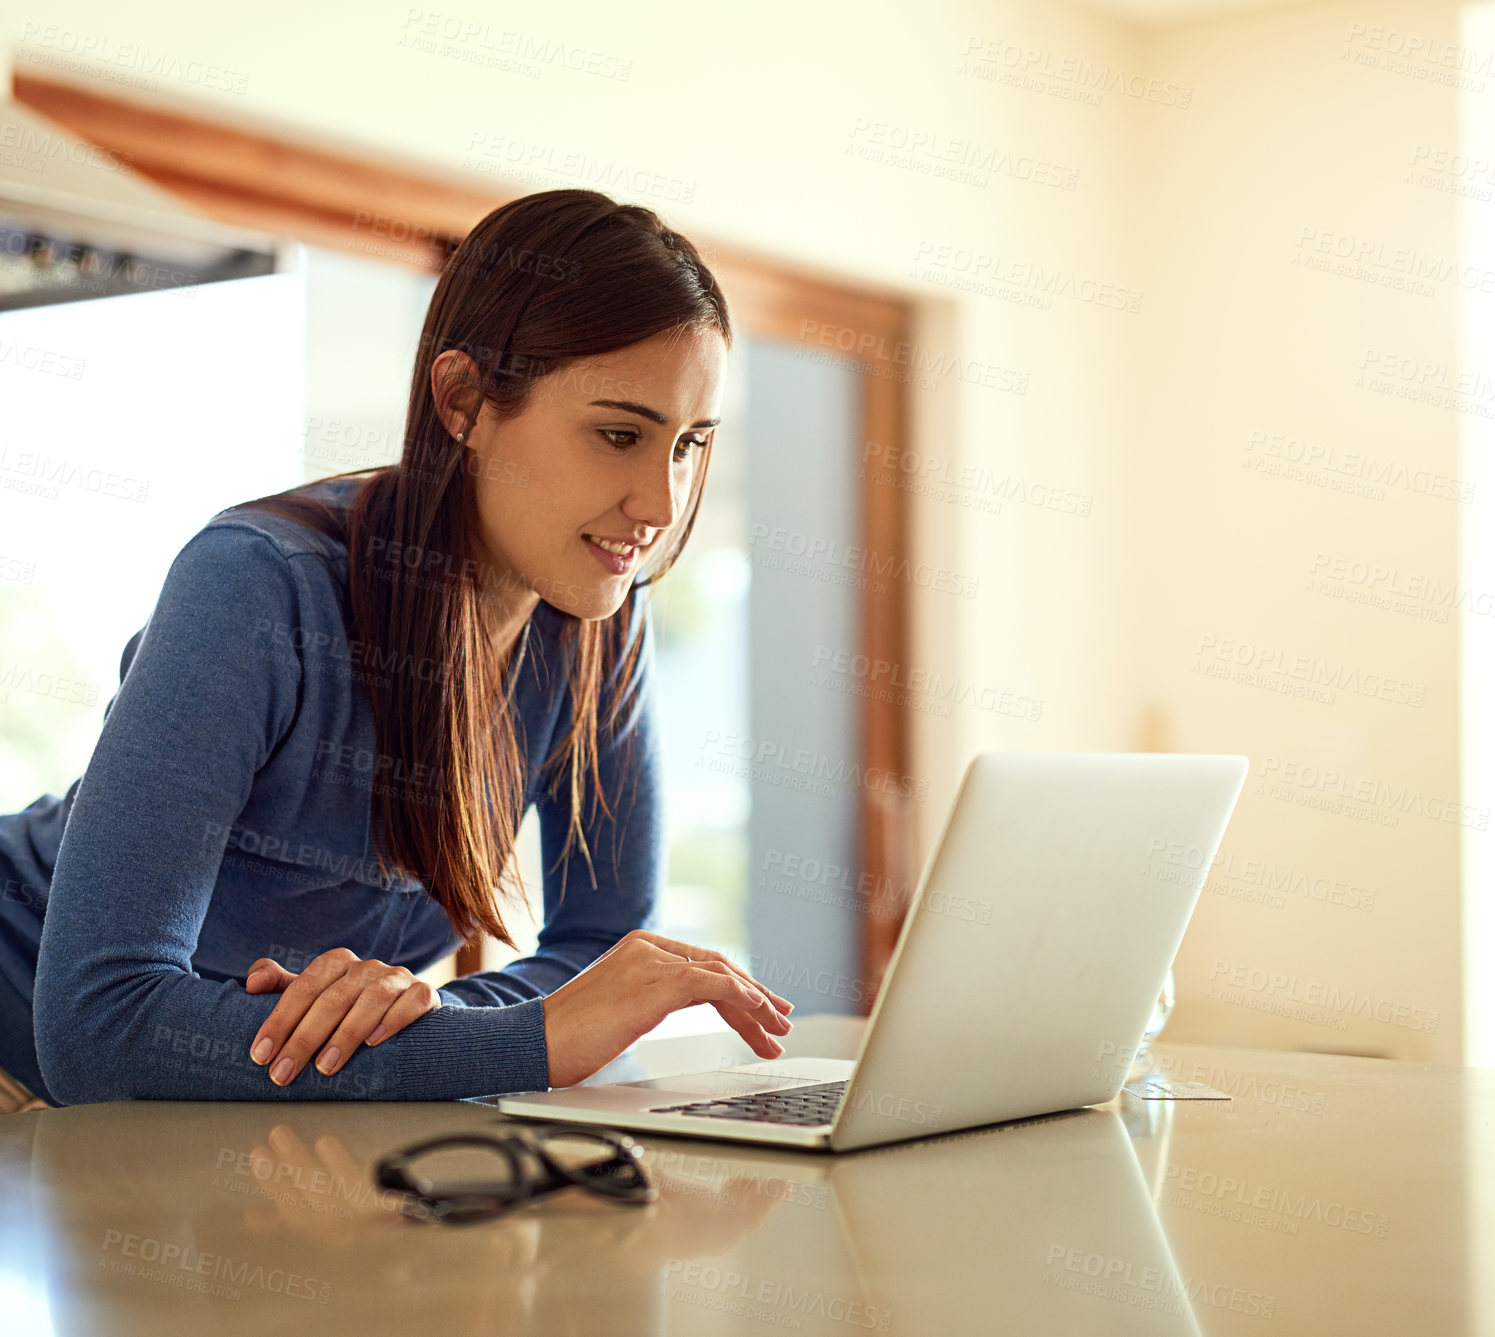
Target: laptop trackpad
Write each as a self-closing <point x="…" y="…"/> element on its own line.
<point x="720" y="1083"/>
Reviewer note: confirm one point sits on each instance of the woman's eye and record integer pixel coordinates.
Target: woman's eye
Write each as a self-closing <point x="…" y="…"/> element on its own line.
<point x="682" y="448"/>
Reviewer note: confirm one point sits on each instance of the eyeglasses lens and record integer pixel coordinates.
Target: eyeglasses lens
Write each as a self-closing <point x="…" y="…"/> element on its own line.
<point x="455" y="1172"/>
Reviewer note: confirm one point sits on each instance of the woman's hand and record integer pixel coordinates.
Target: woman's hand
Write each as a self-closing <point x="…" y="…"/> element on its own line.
<point x="337" y="995"/>
<point x="630" y="989"/>
<point x="321" y="1191"/>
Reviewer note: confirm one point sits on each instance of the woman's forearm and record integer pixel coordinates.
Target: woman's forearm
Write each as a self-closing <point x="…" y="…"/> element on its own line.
<point x="174" y="1036"/>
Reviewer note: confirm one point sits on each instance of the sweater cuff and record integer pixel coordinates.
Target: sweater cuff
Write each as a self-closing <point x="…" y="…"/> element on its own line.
<point x="496" y="1051"/>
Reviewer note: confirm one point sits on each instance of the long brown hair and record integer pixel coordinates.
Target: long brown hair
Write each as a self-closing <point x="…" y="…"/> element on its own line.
<point x="547" y="279"/>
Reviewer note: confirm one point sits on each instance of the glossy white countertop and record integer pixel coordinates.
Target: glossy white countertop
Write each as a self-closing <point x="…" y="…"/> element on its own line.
<point x="1329" y="1195"/>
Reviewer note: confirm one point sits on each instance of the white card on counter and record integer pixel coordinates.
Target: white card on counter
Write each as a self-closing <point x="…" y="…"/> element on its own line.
<point x="1156" y="1087"/>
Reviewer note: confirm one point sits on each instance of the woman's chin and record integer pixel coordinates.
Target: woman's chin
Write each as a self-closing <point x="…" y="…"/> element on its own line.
<point x="594" y="601"/>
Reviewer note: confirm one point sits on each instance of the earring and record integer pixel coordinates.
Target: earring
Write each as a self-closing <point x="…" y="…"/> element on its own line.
<point x="460" y="435"/>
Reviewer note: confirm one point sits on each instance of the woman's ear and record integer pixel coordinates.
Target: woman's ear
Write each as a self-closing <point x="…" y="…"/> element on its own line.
<point x="454" y="388"/>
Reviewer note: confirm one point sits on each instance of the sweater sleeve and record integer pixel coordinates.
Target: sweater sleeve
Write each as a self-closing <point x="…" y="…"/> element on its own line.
<point x="118" y="1012"/>
<point x="584" y="919"/>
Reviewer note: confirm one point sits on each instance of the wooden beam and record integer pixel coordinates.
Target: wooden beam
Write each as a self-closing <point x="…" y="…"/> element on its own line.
<point x="886" y="838"/>
<point x="388" y="210"/>
<point x="253" y="178"/>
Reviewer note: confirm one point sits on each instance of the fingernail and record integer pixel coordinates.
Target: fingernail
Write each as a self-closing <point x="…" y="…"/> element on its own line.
<point x="376" y="1034"/>
<point x="262" y="1050"/>
<point x="258" y="975"/>
<point x="280" y="1074"/>
<point x="329" y="1059"/>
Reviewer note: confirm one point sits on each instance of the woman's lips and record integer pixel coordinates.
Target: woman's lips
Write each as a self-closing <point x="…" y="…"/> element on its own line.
<point x="617" y="563"/>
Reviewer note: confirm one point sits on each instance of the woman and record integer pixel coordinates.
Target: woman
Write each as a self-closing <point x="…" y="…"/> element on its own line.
<point x="349" y="694"/>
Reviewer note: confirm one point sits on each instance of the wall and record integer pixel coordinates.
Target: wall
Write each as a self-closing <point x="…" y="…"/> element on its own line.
<point x="1265" y="425"/>
<point x="1112" y="304"/>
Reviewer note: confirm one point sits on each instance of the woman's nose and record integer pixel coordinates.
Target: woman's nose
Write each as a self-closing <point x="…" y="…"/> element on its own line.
<point x="653" y="499"/>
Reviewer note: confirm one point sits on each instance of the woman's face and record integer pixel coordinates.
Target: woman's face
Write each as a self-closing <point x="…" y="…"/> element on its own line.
<point x="607" y="448"/>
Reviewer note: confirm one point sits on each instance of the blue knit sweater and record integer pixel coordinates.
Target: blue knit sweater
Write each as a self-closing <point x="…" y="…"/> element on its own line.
<point x="226" y="815"/>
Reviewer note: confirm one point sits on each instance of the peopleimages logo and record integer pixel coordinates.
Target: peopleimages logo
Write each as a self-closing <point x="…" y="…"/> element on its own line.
<point x="1147" y="1285"/>
<point x="814" y="548"/>
<point x="1334" y="790"/>
<point x="188" y="1267"/>
<point x="771" y="761"/>
<point x="1293" y="1206"/>
<point x="900" y="1108"/>
<point x="989" y="57"/>
<point x="766" y="1299"/>
<point x="1278" y="987"/>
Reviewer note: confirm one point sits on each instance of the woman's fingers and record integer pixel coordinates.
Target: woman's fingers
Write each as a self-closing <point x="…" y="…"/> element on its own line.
<point x="758" y="1040"/>
<point x="751" y="999"/>
<point x="338" y="1023"/>
<point x="369" y="1002"/>
<point x="633" y="986"/>
<point x="341" y="1003"/>
<point x="411" y="1005"/>
<point x="741" y="1006"/>
<point x="708" y="954"/>
<point x="768" y="1012"/>
<point x="712" y="982"/>
<point x="296" y="1000"/>
<point x="374" y="1015"/>
<point x="772" y="1017"/>
<point x="267" y="976"/>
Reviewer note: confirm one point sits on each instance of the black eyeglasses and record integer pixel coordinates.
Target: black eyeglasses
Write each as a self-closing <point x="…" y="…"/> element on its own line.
<point x="505" y="1170"/>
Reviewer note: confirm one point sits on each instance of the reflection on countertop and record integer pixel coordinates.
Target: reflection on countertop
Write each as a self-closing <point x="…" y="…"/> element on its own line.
<point x="1329" y="1194"/>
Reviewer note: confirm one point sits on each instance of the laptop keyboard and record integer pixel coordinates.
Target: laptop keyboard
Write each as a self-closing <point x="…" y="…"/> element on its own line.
<point x="803" y="1106"/>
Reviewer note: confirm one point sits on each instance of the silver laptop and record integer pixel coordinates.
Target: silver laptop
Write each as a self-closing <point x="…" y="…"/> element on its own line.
<point x="1024" y="975"/>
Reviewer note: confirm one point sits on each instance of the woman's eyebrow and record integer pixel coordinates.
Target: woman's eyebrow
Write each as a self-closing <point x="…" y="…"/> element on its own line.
<point x="643" y="411"/>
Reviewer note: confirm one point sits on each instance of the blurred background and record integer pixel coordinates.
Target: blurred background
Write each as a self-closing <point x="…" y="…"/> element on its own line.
<point x="1109" y="377"/>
